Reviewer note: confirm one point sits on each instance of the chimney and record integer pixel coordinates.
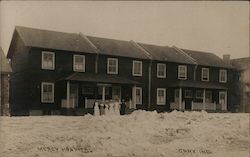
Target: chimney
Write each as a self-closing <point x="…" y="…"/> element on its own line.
<point x="226" y="58"/>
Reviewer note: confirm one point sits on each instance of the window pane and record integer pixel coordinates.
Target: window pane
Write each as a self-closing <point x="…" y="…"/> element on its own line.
<point x="79" y="63"/>
<point x="47" y="61"/>
<point x="137" y="68"/>
<point x="47" y="92"/>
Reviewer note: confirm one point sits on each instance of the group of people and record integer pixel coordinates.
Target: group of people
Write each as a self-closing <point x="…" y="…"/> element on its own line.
<point x="109" y="108"/>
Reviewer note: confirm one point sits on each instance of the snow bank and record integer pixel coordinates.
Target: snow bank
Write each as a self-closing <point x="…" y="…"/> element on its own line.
<point x="175" y="134"/>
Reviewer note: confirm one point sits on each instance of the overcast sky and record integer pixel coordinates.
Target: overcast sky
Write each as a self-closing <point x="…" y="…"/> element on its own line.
<point x="218" y="27"/>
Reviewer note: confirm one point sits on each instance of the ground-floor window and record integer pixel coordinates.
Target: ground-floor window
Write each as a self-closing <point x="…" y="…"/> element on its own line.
<point x="188" y="94"/>
<point x="199" y="94"/>
<point x="100" y="90"/>
<point x="138" y="94"/>
<point x="88" y="90"/>
<point x="208" y="96"/>
<point x="47" y="92"/>
<point x="161" y="96"/>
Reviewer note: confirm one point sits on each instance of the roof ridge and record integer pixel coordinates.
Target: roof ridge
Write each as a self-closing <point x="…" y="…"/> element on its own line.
<point x="89" y="42"/>
<point x="148" y="54"/>
<point x="185" y="54"/>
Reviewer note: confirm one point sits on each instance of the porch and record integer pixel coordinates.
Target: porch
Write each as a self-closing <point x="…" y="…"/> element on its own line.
<point x="83" y="90"/>
<point x="199" y="99"/>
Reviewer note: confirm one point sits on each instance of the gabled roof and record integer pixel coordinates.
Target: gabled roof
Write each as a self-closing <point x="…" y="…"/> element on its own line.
<point x="54" y="40"/>
<point x="241" y="63"/>
<point x="117" y="47"/>
<point x="4" y="64"/>
<point x="207" y="59"/>
<point x="165" y="53"/>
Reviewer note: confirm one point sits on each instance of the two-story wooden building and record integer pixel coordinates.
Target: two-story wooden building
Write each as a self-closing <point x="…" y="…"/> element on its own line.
<point x="56" y="72"/>
<point x="5" y="71"/>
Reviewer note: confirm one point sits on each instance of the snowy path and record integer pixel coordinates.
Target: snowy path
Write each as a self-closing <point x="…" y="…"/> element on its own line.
<point x="175" y="134"/>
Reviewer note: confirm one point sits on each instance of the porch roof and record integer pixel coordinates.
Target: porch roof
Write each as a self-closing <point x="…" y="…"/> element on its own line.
<point x="196" y="84"/>
<point x="99" y="78"/>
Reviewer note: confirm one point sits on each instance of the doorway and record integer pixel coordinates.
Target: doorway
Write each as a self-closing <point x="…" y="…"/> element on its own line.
<point x="74" y="95"/>
<point x="116" y="93"/>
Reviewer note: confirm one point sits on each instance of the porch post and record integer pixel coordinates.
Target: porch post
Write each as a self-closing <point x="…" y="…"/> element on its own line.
<point x="180" y="98"/>
<point x="68" y="93"/>
<point x="204" y="99"/>
<point x="134" y="96"/>
<point x="103" y="93"/>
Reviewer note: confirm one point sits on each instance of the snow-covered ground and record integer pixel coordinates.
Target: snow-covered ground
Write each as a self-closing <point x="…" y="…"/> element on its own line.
<point x="175" y="134"/>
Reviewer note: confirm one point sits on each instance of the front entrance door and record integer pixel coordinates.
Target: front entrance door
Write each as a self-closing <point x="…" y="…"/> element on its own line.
<point x="116" y="93"/>
<point x="74" y="95"/>
<point x="188" y="103"/>
<point x="223" y="100"/>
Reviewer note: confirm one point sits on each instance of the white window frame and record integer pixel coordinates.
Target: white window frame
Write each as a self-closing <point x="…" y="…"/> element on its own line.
<point x="134" y="62"/>
<point x="140" y="99"/>
<point x="53" y="58"/>
<point x="42" y="92"/>
<point x="157" y="96"/>
<point x="74" y="63"/>
<point x="116" y="64"/>
<point x="202" y="74"/>
<point x="179" y="74"/>
<point x="220" y="76"/>
<point x="165" y="70"/>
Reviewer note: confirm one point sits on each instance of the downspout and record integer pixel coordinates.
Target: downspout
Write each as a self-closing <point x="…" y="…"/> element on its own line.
<point x="149" y="83"/>
<point x="149" y="56"/>
<point x="95" y="49"/>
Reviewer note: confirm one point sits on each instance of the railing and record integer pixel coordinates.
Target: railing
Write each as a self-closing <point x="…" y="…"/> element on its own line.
<point x="65" y="105"/>
<point x="203" y="106"/>
<point x="175" y="105"/>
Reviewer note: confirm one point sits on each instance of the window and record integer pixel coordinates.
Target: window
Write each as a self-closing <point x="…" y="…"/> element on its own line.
<point x="137" y="68"/>
<point x="47" y="92"/>
<point x="222" y="97"/>
<point x="205" y="74"/>
<point x="48" y="60"/>
<point x="161" y="70"/>
<point x="182" y="72"/>
<point x="138" y="93"/>
<point x="208" y="96"/>
<point x="100" y="90"/>
<point x="112" y="67"/>
<point x="223" y="76"/>
<point x="188" y="94"/>
<point x="161" y="96"/>
<point x="199" y="94"/>
<point x="79" y="63"/>
<point x="88" y="90"/>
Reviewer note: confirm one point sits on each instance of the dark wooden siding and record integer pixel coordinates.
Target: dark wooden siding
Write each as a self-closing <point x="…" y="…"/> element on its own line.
<point x="125" y="70"/>
<point x="19" y="93"/>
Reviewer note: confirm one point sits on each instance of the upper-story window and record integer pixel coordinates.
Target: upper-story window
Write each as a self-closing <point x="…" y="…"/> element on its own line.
<point x="161" y="70"/>
<point x="223" y="76"/>
<point x="137" y="68"/>
<point x="112" y="67"/>
<point x="205" y="74"/>
<point x="48" y="60"/>
<point x="182" y="72"/>
<point x="79" y="63"/>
